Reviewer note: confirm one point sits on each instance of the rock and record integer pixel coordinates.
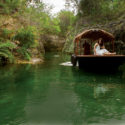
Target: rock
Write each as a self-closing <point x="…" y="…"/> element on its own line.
<point x="32" y="61"/>
<point x="52" y="42"/>
<point x="36" y="60"/>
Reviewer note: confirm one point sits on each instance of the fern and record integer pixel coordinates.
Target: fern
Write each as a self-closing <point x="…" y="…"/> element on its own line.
<point x="7" y="44"/>
<point x="26" y="55"/>
<point x="6" y="33"/>
<point x="5" y="50"/>
<point x="26" y="37"/>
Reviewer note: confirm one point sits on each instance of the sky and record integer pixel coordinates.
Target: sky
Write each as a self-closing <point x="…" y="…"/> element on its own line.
<point x="57" y="5"/>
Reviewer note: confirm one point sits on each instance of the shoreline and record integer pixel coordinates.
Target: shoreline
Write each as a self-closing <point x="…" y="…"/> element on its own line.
<point x="32" y="61"/>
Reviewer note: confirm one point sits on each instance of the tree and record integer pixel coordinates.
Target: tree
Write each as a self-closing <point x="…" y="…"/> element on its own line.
<point x="66" y="20"/>
<point x="107" y="9"/>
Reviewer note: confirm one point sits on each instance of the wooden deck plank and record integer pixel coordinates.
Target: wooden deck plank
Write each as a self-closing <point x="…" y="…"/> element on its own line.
<point x="98" y="56"/>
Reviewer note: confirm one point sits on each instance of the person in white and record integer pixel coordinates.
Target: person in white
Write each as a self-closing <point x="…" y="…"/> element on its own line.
<point x="99" y="49"/>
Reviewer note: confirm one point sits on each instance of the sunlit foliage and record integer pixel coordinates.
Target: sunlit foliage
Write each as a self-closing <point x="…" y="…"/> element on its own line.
<point x="5" y="51"/>
<point x="106" y="9"/>
<point x="66" y="21"/>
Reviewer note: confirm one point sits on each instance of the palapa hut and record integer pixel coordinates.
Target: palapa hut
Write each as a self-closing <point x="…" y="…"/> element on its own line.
<point x="87" y="59"/>
<point x="93" y="35"/>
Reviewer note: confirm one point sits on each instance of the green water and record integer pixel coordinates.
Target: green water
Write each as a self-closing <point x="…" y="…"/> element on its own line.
<point x="51" y="94"/>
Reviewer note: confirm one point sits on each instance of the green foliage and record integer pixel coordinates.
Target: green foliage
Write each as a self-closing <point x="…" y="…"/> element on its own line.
<point x="8" y="45"/>
<point x="55" y="26"/>
<point x="26" y="37"/>
<point x="69" y="45"/>
<point x="66" y="21"/>
<point x="40" y="18"/>
<point x="6" y="34"/>
<point x="5" y="50"/>
<point x="51" y="26"/>
<point x="10" y="6"/>
<point x="24" y="53"/>
<point x="99" y="9"/>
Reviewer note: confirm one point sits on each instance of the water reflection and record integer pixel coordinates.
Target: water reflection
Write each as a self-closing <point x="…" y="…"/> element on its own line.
<point x="122" y="69"/>
<point x="13" y="93"/>
<point x="57" y="95"/>
<point x="101" y="98"/>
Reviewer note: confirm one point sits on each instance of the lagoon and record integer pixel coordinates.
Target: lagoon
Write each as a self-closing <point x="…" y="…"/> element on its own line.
<point x="54" y="94"/>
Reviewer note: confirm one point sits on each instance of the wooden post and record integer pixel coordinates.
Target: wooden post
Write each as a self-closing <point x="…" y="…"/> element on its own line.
<point x="80" y="48"/>
<point x="113" y="47"/>
<point x="91" y="48"/>
<point x="77" y="47"/>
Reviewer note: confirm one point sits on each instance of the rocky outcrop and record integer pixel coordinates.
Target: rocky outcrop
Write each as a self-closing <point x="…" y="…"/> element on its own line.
<point x="52" y="42"/>
<point x="9" y="25"/>
<point x="32" y="61"/>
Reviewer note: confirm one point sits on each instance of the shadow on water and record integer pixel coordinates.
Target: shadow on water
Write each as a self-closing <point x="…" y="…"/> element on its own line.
<point x="103" y="69"/>
<point x="101" y="97"/>
<point x="51" y="94"/>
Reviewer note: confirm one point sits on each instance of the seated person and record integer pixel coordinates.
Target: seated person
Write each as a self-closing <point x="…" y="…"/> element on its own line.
<point x="86" y="47"/>
<point x="99" y="49"/>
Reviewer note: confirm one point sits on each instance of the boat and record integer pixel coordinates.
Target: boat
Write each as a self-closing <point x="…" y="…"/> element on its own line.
<point x="84" y="55"/>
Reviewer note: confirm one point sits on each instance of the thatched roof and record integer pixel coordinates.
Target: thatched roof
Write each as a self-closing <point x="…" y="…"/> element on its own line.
<point x="95" y="34"/>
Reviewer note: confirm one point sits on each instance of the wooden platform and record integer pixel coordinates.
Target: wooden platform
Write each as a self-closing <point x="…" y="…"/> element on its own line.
<point x="95" y="56"/>
<point x="100" y="62"/>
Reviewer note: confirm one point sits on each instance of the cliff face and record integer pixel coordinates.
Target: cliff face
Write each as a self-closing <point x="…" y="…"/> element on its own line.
<point x="9" y="26"/>
<point x="52" y="42"/>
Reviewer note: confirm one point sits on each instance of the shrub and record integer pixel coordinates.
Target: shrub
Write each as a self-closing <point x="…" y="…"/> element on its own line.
<point x="26" y="37"/>
<point x="9" y="6"/>
<point x="6" y="34"/>
<point x="24" y="52"/>
<point x="5" y="50"/>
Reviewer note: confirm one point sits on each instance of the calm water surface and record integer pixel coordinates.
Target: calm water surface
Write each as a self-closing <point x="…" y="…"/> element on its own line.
<point x="51" y="94"/>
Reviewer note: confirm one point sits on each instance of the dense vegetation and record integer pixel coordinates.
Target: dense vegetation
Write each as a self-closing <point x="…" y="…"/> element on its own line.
<point x="104" y="14"/>
<point x="25" y="25"/>
<point x="23" y="22"/>
<point x="106" y="9"/>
